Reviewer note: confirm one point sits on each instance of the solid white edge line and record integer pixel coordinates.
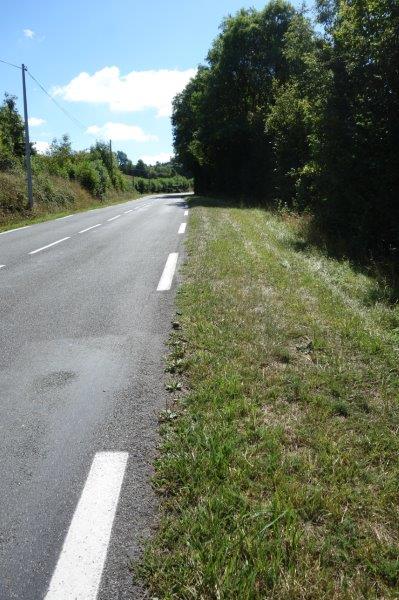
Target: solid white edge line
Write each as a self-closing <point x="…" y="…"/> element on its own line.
<point x="182" y="228"/>
<point x="113" y="218"/>
<point x="165" y="283"/>
<point x="67" y="217"/>
<point x="16" y="229"/>
<point x="88" y="228"/>
<point x="186" y="213"/>
<point x="80" y="565"/>
<point x="49" y="245"/>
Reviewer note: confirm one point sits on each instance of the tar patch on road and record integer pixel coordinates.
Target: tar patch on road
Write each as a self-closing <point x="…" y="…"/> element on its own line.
<point x="55" y="379"/>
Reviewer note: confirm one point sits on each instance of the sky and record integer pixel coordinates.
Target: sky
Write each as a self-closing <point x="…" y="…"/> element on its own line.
<point x="113" y="66"/>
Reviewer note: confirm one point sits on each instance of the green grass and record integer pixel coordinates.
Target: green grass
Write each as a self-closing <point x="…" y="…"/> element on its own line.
<point x="278" y="471"/>
<point x="42" y="213"/>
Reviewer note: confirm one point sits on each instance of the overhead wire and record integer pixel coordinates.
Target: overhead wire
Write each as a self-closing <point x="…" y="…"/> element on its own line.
<point x="67" y="113"/>
<point x="41" y="86"/>
<point x="10" y="64"/>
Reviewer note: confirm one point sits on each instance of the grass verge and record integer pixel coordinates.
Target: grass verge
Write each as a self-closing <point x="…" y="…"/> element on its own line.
<point x="278" y="471"/>
<point x="75" y="199"/>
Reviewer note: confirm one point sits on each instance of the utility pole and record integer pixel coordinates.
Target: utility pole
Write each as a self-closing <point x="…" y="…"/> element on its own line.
<point x="27" y="143"/>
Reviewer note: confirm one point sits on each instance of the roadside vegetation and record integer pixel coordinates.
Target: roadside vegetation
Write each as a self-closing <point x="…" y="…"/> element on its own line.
<point x="303" y="112"/>
<point x="65" y="180"/>
<point x="278" y="471"/>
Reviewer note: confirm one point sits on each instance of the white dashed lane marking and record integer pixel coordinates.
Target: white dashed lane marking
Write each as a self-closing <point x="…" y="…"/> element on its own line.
<point x="49" y="245"/>
<point x="113" y="218"/>
<point x="80" y="565"/>
<point x="165" y="282"/>
<point x="182" y="228"/>
<point x="88" y="228"/>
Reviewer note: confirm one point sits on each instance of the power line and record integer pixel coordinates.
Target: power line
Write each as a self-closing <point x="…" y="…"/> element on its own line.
<point x="76" y="121"/>
<point x="71" y="117"/>
<point x="9" y="64"/>
<point x="68" y="114"/>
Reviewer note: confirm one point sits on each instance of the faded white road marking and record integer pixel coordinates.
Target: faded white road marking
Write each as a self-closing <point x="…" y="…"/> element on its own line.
<point x="182" y="228"/>
<point x="113" y="218"/>
<point x="2" y="266"/>
<point x="16" y="229"/>
<point x="128" y="211"/>
<point x="165" y="282"/>
<point x="88" y="228"/>
<point x="67" y="217"/>
<point x="49" y="245"/>
<point x="186" y="213"/>
<point x="78" y="572"/>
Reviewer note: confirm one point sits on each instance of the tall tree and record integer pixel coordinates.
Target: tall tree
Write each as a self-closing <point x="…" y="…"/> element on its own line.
<point x="219" y="118"/>
<point x="359" y="163"/>
<point x="140" y="169"/>
<point x="284" y="113"/>
<point x="11" y="132"/>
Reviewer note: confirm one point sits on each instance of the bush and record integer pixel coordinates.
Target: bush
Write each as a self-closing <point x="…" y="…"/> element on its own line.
<point x="163" y="185"/>
<point x="52" y="192"/>
<point x="93" y="176"/>
<point x="12" y="192"/>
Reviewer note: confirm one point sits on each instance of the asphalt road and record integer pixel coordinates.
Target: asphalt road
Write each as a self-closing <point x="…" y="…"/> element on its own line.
<point x="82" y="340"/>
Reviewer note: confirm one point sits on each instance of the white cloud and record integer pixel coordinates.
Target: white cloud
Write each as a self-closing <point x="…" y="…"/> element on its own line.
<point x="35" y="121"/>
<point x="136" y="91"/>
<point x="121" y="132"/>
<point x="152" y="159"/>
<point x="41" y="147"/>
<point x="29" y="33"/>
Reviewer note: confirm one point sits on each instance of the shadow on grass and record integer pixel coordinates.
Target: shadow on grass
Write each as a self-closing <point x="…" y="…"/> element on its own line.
<point x="385" y="270"/>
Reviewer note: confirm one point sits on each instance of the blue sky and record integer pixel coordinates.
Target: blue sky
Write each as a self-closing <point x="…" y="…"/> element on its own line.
<point x="113" y="65"/>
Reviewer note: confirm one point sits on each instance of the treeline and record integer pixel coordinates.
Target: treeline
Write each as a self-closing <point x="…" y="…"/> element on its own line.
<point x="303" y="114"/>
<point x="59" y="174"/>
<point x="168" y="177"/>
<point x="162" y="185"/>
<point x="158" y="171"/>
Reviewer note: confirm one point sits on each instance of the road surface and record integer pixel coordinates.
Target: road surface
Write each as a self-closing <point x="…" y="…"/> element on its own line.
<point x="86" y="303"/>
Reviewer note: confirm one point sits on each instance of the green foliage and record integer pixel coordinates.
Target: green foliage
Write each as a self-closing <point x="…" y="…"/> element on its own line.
<point x="51" y="193"/>
<point x="11" y="133"/>
<point x="12" y="192"/>
<point x="219" y="119"/>
<point x="101" y="153"/>
<point x="307" y="119"/>
<point x="164" y="185"/>
<point x="359" y="158"/>
<point x="124" y="163"/>
<point x="98" y="170"/>
<point x="158" y="171"/>
<point x="93" y="176"/>
<point x="141" y="169"/>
